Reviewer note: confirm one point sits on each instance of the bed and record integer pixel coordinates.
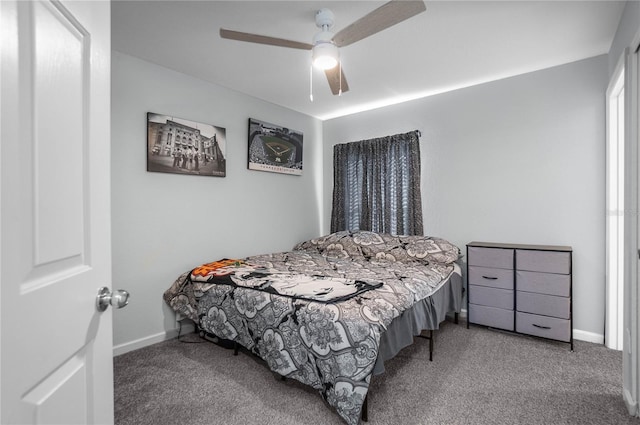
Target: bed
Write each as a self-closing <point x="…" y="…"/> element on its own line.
<point x="330" y="312"/>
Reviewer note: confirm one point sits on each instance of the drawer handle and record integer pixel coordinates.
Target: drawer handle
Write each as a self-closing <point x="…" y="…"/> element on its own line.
<point x="541" y="327"/>
<point x="490" y="277"/>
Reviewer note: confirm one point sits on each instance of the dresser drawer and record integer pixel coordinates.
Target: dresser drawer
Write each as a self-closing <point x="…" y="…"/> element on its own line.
<point x="543" y="261"/>
<point x="546" y="305"/>
<point x="544" y="283"/>
<point x="486" y="276"/>
<point x="491" y="297"/>
<point x="491" y="316"/>
<point x="490" y="257"/>
<point x="544" y="326"/>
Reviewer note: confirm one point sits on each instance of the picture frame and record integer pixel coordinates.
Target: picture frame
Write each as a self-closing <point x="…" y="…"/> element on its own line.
<point x="180" y="146"/>
<point x="274" y="148"/>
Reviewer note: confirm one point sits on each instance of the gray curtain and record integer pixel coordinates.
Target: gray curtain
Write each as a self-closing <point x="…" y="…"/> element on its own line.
<point x="376" y="185"/>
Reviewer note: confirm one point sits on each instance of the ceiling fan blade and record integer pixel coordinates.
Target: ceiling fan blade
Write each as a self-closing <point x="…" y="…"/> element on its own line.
<point x="337" y="80"/>
<point x="382" y="18"/>
<point x="263" y="39"/>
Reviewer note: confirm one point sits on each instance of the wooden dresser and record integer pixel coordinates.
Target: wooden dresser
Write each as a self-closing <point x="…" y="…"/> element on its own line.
<point x="521" y="288"/>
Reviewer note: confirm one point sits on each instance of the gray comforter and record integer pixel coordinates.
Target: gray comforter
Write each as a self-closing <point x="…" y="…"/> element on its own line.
<point x="331" y="346"/>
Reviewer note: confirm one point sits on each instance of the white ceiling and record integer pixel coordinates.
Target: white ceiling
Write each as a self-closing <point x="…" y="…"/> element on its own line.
<point x="453" y="44"/>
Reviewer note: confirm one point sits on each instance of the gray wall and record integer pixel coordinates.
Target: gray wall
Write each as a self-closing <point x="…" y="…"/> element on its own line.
<point x="519" y="160"/>
<point x="164" y="224"/>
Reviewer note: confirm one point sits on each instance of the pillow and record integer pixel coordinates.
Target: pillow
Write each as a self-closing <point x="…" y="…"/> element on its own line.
<point x="382" y="246"/>
<point x="431" y="249"/>
<point x="339" y="244"/>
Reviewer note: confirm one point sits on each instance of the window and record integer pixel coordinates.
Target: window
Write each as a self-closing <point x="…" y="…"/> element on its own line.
<point x="377" y="185"/>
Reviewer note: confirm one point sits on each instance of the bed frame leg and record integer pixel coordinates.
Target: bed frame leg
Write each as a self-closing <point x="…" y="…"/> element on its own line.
<point x="430" y="338"/>
<point x="455" y="317"/>
<point x="235" y="348"/>
<point x="431" y="345"/>
<point x="365" y="408"/>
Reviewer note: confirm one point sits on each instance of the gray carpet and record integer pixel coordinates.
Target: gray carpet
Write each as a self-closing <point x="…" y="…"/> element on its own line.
<point x="478" y="376"/>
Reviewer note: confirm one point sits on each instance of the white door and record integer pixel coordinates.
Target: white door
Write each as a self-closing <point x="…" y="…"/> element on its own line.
<point x="615" y="232"/>
<point x="56" y="348"/>
<point x="631" y="354"/>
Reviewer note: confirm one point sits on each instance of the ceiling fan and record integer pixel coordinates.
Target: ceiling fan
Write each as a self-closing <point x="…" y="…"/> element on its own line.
<point x="324" y="48"/>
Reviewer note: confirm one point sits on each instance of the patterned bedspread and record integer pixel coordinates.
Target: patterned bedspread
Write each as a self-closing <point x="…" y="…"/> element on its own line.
<point x="295" y="284"/>
<point x="331" y="346"/>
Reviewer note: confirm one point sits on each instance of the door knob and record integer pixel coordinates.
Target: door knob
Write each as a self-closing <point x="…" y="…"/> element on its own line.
<point x="118" y="299"/>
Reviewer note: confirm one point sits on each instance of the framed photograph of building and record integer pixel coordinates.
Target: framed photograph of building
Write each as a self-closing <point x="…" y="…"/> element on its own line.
<point x="176" y="145"/>
<point x="274" y="148"/>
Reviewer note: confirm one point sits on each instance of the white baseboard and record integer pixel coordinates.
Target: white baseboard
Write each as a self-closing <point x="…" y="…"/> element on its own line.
<point x="190" y="327"/>
<point x="588" y="336"/>
<point x="632" y="405"/>
<point x="153" y="339"/>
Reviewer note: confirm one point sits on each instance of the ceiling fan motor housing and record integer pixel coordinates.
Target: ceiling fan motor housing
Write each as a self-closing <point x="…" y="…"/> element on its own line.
<point x="323" y="37"/>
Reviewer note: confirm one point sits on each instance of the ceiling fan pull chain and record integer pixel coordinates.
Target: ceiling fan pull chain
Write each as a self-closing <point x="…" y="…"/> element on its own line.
<point x="311" y="82"/>
<point x="340" y="74"/>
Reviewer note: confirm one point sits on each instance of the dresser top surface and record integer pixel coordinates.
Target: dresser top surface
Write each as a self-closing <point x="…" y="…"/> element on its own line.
<point x="519" y="246"/>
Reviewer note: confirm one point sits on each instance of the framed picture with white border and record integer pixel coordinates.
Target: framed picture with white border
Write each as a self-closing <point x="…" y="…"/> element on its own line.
<point x="274" y="148"/>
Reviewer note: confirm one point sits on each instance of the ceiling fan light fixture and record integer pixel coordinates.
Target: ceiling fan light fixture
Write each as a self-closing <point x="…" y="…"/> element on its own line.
<point x="325" y="56"/>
